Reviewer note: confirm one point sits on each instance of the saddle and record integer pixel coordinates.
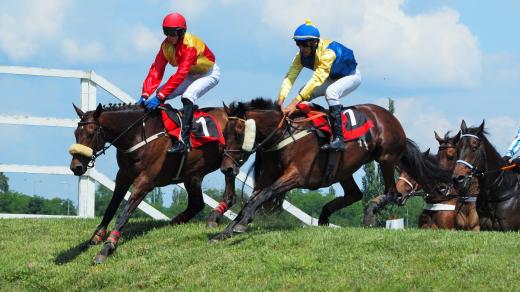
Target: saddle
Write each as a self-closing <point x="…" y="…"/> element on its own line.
<point x="355" y="123"/>
<point x="204" y="128"/>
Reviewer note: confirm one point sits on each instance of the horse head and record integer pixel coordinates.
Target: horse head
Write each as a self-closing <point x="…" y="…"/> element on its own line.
<point x="251" y="126"/>
<point x="447" y="153"/>
<point x="471" y="158"/>
<point x="239" y="134"/>
<point x="89" y="140"/>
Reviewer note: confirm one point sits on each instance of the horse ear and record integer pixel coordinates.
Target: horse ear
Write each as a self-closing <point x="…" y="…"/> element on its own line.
<point x="456" y="138"/>
<point x="98" y="111"/>
<point x="463" y="126"/>
<point x="426" y="153"/>
<point x="226" y="108"/>
<point x="481" y="127"/>
<point x="439" y="139"/>
<point x="78" y="111"/>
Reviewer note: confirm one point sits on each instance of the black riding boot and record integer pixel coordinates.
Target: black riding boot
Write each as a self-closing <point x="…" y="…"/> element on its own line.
<point x="338" y="142"/>
<point x="184" y="143"/>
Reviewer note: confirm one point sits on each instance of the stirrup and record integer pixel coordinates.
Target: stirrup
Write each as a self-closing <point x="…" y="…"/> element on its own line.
<point x="180" y="147"/>
<point x="335" y="145"/>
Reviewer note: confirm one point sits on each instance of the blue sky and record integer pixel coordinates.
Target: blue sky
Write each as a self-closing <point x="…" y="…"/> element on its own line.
<point x="441" y="61"/>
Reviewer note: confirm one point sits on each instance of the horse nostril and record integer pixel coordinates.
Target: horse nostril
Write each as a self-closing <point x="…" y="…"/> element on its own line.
<point x="78" y="169"/>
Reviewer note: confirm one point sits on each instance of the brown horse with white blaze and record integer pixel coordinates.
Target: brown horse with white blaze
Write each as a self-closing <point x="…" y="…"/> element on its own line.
<point x="281" y="166"/>
<point x="143" y="162"/>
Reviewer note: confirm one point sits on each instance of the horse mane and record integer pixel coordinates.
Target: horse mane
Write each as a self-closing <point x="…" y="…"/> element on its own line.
<point x="423" y="169"/>
<point x="447" y="136"/>
<point x="121" y="107"/>
<point x="239" y="109"/>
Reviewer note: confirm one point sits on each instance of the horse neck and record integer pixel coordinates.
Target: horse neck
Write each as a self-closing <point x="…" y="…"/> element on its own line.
<point x="219" y="114"/>
<point x="493" y="161"/>
<point x="116" y="122"/>
<point x="266" y="122"/>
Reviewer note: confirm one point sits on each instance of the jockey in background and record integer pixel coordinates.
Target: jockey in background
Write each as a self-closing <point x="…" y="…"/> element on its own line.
<point x="197" y="73"/>
<point x="513" y="149"/>
<point x="335" y="75"/>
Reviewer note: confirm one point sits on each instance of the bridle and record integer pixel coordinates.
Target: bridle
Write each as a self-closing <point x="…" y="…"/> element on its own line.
<point x="100" y="142"/>
<point x="411" y="185"/>
<point x="257" y="146"/>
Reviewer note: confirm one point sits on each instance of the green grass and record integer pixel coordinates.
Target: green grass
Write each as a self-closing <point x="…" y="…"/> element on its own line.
<point x="48" y="255"/>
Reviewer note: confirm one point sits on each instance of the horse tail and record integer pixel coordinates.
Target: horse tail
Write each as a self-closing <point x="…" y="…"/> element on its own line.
<point x="423" y="169"/>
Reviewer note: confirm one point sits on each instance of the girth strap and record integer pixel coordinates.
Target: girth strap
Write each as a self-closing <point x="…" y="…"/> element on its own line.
<point x="289" y="140"/>
<point x="144" y="142"/>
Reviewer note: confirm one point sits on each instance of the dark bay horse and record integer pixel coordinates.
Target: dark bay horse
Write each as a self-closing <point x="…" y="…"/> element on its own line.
<point x="480" y="171"/>
<point x="143" y="162"/>
<point x="288" y="156"/>
<point x="439" y="211"/>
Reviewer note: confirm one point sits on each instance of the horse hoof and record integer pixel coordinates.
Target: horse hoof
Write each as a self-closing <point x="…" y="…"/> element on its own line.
<point x="218" y="238"/>
<point x="212" y="224"/>
<point x="240" y="228"/>
<point x="99" y="259"/>
<point x="368" y="221"/>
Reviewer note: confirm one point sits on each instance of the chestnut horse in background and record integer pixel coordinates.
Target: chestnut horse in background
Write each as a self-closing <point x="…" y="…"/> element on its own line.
<point x="481" y="172"/>
<point x="143" y="162"/>
<point x="280" y="166"/>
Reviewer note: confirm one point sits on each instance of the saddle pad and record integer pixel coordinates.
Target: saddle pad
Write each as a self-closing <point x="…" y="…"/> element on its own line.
<point x="204" y="127"/>
<point x="355" y="124"/>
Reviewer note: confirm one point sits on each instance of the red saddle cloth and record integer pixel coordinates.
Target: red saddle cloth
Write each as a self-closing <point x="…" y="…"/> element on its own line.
<point x="355" y="124"/>
<point x="204" y="127"/>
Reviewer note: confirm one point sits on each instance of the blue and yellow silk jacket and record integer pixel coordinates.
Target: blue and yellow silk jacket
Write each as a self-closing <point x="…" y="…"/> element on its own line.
<point x="332" y="59"/>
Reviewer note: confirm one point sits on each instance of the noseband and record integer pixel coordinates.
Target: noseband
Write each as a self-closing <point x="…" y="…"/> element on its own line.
<point x="259" y="146"/>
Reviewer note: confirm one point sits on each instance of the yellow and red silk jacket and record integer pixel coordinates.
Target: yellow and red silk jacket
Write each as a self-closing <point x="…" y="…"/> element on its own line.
<point x="332" y="59"/>
<point x="192" y="56"/>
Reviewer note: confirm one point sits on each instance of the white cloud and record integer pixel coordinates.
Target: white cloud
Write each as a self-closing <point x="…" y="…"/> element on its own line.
<point x="192" y="8"/>
<point x="419" y="121"/>
<point x="145" y="40"/>
<point x="25" y="24"/>
<point x="431" y="49"/>
<point x="74" y="52"/>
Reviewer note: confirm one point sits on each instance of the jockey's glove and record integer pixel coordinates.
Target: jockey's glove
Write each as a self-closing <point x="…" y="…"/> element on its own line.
<point x="152" y="103"/>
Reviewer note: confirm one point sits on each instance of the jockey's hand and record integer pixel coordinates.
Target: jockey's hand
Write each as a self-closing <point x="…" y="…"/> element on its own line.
<point x="507" y="159"/>
<point x="280" y="103"/>
<point x="152" y="103"/>
<point x="516" y="161"/>
<point x="291" y="108"/>
<point x="141" y="101"/>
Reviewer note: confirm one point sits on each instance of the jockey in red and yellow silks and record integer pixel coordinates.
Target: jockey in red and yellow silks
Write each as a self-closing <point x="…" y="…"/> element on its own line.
<point x="195" y="62"/>
<point x="191" y="56"/>
<point x="335" y="75"/>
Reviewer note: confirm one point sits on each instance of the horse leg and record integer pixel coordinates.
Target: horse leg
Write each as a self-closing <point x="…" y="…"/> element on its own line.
<point x="228" y="199"/>
<point x="140" y="191"/>
<point x="283" y="184"/>
<point x="195" y="201"/>
<point x="354" y="194"/>
<point x="387" y="170"/>
<point x="122" y="185"/>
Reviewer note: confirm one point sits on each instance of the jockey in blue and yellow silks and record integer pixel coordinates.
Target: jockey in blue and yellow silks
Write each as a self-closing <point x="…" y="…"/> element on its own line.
<point x="335" y="75"/>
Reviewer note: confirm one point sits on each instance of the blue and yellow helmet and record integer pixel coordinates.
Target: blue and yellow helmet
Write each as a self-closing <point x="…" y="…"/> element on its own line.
<point x="306" y="31"/>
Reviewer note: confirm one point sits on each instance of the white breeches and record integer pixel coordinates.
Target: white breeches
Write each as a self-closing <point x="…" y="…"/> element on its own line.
<point x="195" y="86"/>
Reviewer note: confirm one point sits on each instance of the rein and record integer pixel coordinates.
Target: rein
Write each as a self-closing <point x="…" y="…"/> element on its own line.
<point x="100" y="131"/>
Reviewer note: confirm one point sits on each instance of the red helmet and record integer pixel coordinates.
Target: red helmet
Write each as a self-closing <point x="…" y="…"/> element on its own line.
<point x="174" y="20"/>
